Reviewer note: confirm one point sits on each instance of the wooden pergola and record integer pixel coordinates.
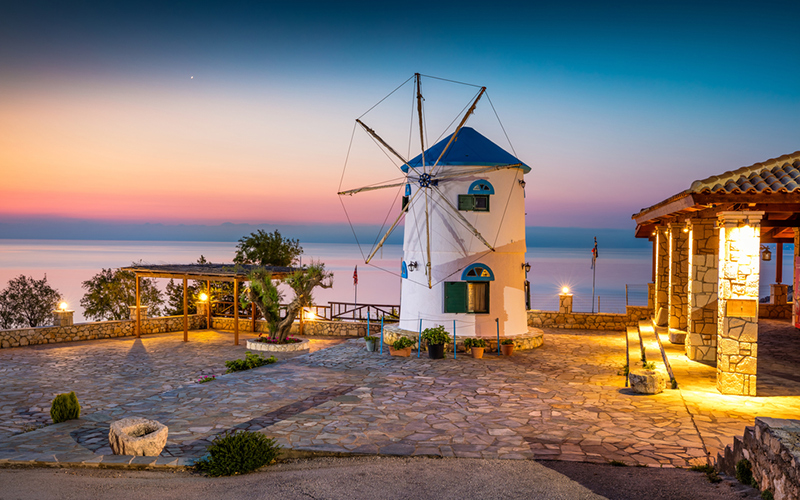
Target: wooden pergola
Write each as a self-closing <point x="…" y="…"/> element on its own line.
<point x="237" y="273"/>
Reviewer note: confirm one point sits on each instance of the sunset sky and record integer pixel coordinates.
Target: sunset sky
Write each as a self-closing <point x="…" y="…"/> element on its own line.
<point x="204" y="113"/>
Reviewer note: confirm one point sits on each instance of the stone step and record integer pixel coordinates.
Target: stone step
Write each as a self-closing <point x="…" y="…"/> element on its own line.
<point x="653" y="349"/>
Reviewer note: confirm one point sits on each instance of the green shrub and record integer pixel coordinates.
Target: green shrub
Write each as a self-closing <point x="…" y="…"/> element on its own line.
<point x="65" y="407"/>
<point x="250" y="361"/>
<point x="436" y="335"/>
<point x="370" y="338"/>
<point x="767" y="495"/>
<point x="744" y="472"/>
<point x="649" y="366"/>
<point x="238" y="453"/>
<point x="508" y="342"/>
<point x="709" y="471"/>
<point x="469" y="343"/>
<point x="402" y="343"/>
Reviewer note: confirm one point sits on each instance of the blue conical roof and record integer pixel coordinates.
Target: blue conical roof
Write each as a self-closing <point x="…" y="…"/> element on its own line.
<point x="469" y="148"/>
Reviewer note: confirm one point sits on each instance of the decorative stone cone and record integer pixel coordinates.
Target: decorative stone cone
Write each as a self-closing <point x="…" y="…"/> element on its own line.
<point x="508" y="349"/>
<point x="647" y="381"/>
<point x="477" y="352"/>
<point x="137" y="436"/>
<point x="404" y="353"/>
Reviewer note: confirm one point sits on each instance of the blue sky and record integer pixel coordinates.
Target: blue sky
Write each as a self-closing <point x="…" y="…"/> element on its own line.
<point x="109" y="105"/>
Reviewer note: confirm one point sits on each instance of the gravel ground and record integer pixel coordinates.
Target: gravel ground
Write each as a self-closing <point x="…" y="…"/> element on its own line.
<point x="376" y="477"/>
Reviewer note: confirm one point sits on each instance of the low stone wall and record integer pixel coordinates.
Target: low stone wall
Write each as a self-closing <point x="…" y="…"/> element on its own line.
<point x="314" y="328"/>
<point x="589" y="321"/>
<point x="96" y="330"/>
<point x="773" y="448"/>
<point x="775" y="311"/>
<point x="534" y="339"/>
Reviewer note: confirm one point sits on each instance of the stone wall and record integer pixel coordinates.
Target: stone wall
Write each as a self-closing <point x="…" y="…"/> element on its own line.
<point x="96" y="330"/>
<point x="775" y="311"/>
<point x="771" y="447"/>
<point x="589" y="321"/>
<point x="310" y="328"/>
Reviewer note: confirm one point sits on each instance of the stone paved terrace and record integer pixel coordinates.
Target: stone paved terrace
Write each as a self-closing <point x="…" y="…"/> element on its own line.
<point x="563" y="401"/>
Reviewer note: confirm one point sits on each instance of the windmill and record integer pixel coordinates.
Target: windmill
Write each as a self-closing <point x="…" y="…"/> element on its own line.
<point x="464" y="235"/>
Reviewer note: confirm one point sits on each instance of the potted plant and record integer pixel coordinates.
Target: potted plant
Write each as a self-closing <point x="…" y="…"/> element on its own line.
<point x="477" y="347"/>
<point x="370" y="340"/>
<point x="507" y="346"/>
<point x="436" y="337"/>
<point x="401" y="347"/>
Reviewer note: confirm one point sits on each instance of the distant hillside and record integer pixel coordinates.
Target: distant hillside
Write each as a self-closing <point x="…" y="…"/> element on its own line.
<point x="78" y="229"/>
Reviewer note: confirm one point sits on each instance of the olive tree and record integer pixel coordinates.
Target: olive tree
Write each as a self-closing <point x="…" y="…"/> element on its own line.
<point x="27" y="302"/>
<point x="267" y="249"/>
<point x="264" y="293"/>
<point x="111" y="291"/>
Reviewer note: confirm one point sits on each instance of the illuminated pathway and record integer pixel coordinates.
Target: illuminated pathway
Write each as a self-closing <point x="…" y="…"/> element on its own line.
<point x="563" y="401"/>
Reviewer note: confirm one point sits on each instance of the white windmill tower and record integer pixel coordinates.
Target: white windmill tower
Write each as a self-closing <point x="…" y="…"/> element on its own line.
<point x="464" y="235"/>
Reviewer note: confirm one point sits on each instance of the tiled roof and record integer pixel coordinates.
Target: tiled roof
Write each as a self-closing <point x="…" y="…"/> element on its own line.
<point x="778" y="175"/>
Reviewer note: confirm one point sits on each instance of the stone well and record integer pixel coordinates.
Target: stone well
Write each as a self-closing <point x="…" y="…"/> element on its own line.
<point x="137" y="436"/>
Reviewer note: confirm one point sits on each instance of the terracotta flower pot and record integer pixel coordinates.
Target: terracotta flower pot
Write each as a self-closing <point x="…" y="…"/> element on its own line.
<point x="477" y="352"/>
<point x="404" y="353"/>
<point x="508" y="349"/>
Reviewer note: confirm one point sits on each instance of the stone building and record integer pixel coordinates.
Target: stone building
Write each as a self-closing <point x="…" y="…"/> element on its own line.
<point x="707" y="247"/>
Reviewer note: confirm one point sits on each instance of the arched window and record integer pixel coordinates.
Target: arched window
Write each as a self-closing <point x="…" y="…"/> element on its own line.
<point x="471" y="295"/>
<point x="404" y="270"/>
<point x="477" y="199"/>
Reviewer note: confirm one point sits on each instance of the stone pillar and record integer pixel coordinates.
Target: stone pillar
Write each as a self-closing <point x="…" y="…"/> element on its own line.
<point x="662" y="270"/>
<point x="565" y="303"/>
<point x="737" y="326"/>
<point x="796" y="278"/>
<point x="651" y="295"/>
<point x="201" y="307"/>
<point x="701" y="339"/>
<point x="62" y="318"/>
<point x="778" y="294"/>
<point x="678" y="281"/>
<point x="133" y="312"/>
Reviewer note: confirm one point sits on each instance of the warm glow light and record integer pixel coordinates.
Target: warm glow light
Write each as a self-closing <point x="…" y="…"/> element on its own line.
<point x="565" y="290"/>
<point x="62" y="306"/>
<point x="309" y="315"/>
<point x="203" y="297"/>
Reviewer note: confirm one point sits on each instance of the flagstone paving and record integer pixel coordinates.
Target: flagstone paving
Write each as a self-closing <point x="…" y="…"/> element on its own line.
<point x="563" y="401"/>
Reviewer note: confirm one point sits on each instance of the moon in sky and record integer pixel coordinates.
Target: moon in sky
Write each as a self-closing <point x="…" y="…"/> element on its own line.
<point x="191" y="78"/>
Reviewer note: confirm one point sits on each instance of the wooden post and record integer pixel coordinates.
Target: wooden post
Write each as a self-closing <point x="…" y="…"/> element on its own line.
<point x="208" y="306"/>
<point x="302" y="313"/>
<point x="235" y="311"/>
<point x="778" y="263"/>
<point x="138" y="310"/>
<point x="253" y="315"/>
<point x="185" y="312"/>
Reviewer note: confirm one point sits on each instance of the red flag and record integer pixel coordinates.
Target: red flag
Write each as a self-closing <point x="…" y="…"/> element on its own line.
<point x="594" y="252"/>
<point x="355" y="276"/>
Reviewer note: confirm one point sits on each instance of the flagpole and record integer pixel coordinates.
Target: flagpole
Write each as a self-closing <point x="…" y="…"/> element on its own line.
<point x="594" y="270"/>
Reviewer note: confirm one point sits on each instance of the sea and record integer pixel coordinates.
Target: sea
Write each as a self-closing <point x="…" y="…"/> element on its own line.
<point x="620" y="276"/>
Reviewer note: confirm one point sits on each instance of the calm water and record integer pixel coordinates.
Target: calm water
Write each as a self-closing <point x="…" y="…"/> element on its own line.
<point x="68" y="263"/>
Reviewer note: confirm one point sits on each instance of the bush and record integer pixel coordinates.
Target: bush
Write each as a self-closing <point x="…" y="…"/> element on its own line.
<point x="65" y="407"/>
<point x="370" y="338"/>
<point x="744" y="473"/>
<point x="469" y="343"/>
<point x="238" y="453"/>
<point x="250" y="361"/>
<point x="436" y="336"/>
<point x="508" y="342"/>
<point x="402" y="343"/>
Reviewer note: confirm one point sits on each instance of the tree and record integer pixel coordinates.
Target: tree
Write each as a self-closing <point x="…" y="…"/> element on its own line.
<point x="267" y="249"/>
<point x="174" y="305"/>
<point x="264" y="294"/>
<point x="111" y="291"/>
<point x="28" y="302"/>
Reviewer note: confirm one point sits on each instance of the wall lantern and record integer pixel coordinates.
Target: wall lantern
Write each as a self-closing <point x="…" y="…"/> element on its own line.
<point x="766" y="255"/>
<point x="413" y="265"/>
<point x="527" y="267"/>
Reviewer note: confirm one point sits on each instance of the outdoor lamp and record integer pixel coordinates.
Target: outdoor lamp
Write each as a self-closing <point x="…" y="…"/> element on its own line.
<point x="203" y="297"/>
<point x="766" y="255"/>
<point x="565" y="290"/>
<point x="62" y="306"/>
<point x="412" y="265"/>
<point x="527" y="267"/>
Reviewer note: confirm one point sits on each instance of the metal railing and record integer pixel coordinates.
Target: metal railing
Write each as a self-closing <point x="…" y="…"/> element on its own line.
<point x="634" y="295"/>
<point x="334" y="311"/>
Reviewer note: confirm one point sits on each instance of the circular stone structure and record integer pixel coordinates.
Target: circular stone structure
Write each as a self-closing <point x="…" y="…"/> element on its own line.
<point x="140" y="437"/>
<point x="265" y="346"/>
<point x="531" y="340"/>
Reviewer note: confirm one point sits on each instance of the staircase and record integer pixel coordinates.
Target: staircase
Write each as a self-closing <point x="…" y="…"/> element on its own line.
<point x="644" y="346"/>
